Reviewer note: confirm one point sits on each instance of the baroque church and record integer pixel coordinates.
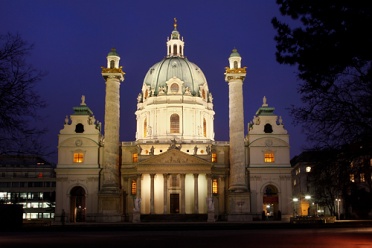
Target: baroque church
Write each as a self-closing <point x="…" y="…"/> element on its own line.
<point x="174" y="166"/>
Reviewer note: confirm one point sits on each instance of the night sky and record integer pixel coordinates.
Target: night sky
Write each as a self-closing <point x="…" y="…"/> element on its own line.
<point x="73" y="38"/>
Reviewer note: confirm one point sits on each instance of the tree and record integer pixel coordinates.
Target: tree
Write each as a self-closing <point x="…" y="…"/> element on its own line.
<point x="19" y="101"/>
<point x="330" y="43"/>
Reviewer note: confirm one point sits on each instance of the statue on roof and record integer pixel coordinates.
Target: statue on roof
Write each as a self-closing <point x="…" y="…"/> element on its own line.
<point x="82" y="100"/>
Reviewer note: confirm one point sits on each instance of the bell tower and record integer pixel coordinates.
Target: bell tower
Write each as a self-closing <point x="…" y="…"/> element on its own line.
<point x="239" y="198"/>
<point x="110" y="198"/>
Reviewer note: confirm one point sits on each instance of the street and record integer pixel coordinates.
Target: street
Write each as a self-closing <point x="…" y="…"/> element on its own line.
<point x="357" y="237"/>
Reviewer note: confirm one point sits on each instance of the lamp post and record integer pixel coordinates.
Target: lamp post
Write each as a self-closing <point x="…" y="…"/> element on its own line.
<point x="338" y="208"/>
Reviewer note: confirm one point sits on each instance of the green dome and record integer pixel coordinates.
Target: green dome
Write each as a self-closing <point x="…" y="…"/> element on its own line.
<point x="234" y="53"/>
<point x="113" y="52"/>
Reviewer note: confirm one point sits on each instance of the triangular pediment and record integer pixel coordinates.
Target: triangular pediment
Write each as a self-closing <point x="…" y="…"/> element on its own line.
<point x="174" y="161"/>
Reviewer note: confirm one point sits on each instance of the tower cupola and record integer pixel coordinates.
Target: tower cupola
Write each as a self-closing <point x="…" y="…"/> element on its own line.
<point x="235" y="59"/>
<point x="175" y="44"/>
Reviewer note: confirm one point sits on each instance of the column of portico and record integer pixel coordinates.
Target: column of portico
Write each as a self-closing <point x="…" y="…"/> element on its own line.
<point x="183" y="197"/>
<point x="196" y="196"/>
<point x="165" y="194"/>
<point x="152" y="194"/>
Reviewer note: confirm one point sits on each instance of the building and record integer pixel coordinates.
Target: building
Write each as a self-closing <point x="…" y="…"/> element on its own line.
<point x="28" y="181"/>
<point x="174" y="167"/>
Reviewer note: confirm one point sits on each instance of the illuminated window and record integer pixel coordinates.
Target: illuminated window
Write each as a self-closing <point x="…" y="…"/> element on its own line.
<point x="214" y="157"/>
<point x="204" y="127"/>
<point x="134" y="187"/>
<point x="294" y="182"/>
<point x="40" y="175"/>
<point x="135" y="157"/>
<point x="174" y="123"/>
<point x="145" y="128"/>
<point x="78" y="157"/>
<point x="352" y="179"/>
<point x="269" y="157"/>
<point x="370" y="162"/>
<point x="215" y="186"/>
<point x="308" y="168"/>
<point x="203" y="94"/>
<point x="174" y="88"/>
<point x="362" y="178"/>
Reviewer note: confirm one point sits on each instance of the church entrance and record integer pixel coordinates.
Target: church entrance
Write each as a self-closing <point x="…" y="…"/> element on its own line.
<point x="270" y="203"/>
<point x="77" y="204"/>
<point x="174" y="203"/>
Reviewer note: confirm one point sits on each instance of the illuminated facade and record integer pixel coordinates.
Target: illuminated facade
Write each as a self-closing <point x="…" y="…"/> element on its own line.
<point x="174" y="166"/>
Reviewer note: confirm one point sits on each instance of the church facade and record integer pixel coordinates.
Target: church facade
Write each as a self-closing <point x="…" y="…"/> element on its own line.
<point x="174" y="166"/>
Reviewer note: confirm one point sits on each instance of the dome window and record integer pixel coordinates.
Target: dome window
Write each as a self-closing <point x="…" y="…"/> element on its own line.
<point x="145" y="128"/>
<point x="174" y="88"/>
<point x="204" y="127"/>
<point x="174" y="123"/>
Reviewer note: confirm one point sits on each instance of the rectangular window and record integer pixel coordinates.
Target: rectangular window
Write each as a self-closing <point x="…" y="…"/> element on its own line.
<point x="352" y="179"/>
<point x="78" y="157"/>
<point x="134" y="187"/>
<point x="362" y="178"/>
<point x="294" y="182"/>
<point x="215" y="186"/>
<point x="214" y="157"/>
<point x="269" y="157"/>
<point x="135" y="157"/>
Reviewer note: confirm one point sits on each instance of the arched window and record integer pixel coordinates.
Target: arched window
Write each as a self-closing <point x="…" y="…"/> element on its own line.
<point x="235" y="64"/>
<point x="175" y="50"/>
<point x="204" y="127"/>
<point x="79" y="128"/>
<point x="174" y="88"/>
<point x="268" y="128"/>
<point x="145" y="128"/>
<point x="214" y="186"/>
<point x="134" y="187"/>
<point x="112" y="64"/>
<point x="146" y="94"/>
<point x="203" y="94"/>
<point x="174" y="123"/>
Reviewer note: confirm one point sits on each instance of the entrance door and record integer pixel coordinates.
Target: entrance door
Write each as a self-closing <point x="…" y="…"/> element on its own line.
<point x="174" y="203"/>
<point x="77" y="204"/>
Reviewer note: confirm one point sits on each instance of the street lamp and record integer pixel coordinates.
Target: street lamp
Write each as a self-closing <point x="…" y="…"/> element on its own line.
<point x="338" y="207"/>
<point x="295" y="200"/>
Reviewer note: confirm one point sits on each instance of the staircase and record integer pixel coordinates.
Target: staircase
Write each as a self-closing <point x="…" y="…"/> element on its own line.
<point x="174" y="217"/>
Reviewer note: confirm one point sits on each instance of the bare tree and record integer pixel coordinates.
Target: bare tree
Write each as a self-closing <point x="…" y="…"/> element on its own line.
<point x="19" y="102"/>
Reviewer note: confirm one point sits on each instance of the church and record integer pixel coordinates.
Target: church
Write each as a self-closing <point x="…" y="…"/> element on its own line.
<point x="174" y="167"/>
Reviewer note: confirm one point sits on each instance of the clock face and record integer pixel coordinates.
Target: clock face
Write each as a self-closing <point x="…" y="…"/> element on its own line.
<point x="78" y="142"/>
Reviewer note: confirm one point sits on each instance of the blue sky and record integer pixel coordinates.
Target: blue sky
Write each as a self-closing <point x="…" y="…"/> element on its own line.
<point x="72" y="39"/>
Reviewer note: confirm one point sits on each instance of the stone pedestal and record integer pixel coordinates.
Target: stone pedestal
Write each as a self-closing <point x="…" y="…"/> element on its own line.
<point x="239" y="207"/>
<point x="211" y="217"/>
<point x="110" y="207"/>
<point x="136" y="217"/>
